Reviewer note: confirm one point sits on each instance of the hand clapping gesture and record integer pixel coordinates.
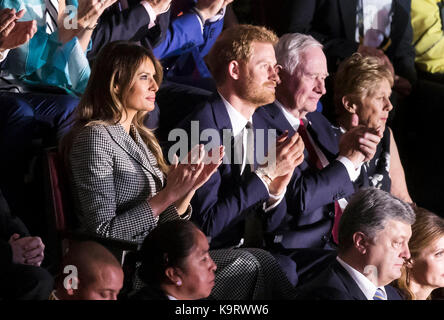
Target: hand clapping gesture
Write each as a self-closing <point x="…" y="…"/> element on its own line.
<point x="13" y="33"/>
<point x="89" y="12"/>
<point x="185" y="177"/>
<point x="360" y="142"/>
<point x="209" y="8"/>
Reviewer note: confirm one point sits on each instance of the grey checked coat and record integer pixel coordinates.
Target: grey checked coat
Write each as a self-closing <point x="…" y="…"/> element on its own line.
<point x="113" y="176"/>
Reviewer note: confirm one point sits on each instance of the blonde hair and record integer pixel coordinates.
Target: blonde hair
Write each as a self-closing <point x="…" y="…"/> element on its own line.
<point x="234" y="43"/>
<point x="357" y="77"/>
<point x="427" y="229"/>
<point x="112" y="77"/>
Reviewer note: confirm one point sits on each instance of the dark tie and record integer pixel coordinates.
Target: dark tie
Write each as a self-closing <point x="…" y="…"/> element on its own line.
<point x="315" y="162"/>
<point x="248" y="148"/>
<point x="51" y="15"/>
<point x="379" y="295"/>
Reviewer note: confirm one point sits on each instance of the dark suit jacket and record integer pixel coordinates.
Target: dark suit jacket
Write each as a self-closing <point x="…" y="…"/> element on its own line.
<point x="336" y="284"/>
<point x="333" y="23"/>
<point x="221" y="204"/>
<point x="8" y="226"/>
<point x="311" y="192"/>
<point x="130" y="24"/>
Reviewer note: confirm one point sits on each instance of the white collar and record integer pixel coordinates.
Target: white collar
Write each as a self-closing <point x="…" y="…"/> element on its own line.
<point x="367" y="287"/>
<point x="170" y="297"/>
<point x="294" y="122"/>
<point x="238" y="121"/>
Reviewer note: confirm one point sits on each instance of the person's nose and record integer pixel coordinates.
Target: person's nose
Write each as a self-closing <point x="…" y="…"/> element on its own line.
<point x="405" y="251"/>
<point x="153" y="86"/>
<point x="320" y="86"/>
<point x="274" y="74"/>
<point x="213" y="265"/>
<point x="388" y="105"/>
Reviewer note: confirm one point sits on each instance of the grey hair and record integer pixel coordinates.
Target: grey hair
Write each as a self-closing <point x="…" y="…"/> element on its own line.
<point x="289" y="48"/>
<point x="368" y="211"/>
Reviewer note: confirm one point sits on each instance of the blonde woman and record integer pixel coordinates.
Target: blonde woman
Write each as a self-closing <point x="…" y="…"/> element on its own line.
<point x="363" y="86"/>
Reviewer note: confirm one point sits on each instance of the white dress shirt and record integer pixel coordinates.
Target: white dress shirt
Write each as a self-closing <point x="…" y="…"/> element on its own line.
<point x="367" y="287"/>
<point x="238" y="122"/>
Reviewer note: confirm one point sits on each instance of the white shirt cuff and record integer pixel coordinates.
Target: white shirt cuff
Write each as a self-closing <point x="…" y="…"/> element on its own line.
<point x="278" y="199"/>
<point x="352" y="171"/>
<point x="3" y="54"/>
<point x="150" y="12"/>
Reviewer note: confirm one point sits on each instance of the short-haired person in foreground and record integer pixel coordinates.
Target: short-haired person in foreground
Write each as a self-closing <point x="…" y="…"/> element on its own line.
<point x="424" y="271"/>
<point x="176" y="263"/>
<point x="317" y="193"/>
<point x="373" y="245"/>
<point x="88" y="272"/>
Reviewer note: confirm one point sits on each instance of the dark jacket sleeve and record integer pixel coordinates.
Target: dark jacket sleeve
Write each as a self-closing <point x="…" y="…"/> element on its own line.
<point x="404" y="55"/>
<point x="130" y="24"/>
<point x="8" y="226"/>
<point x="316" y="18"/>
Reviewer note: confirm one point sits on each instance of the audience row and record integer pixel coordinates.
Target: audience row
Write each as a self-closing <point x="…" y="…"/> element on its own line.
<point x="294" y="205"/>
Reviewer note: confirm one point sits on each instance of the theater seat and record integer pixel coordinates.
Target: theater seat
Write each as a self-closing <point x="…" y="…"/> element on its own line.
<point x="61" y="222"/>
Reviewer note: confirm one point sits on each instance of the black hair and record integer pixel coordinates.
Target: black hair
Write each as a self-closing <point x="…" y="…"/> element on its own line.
<point x="168" y="245"/>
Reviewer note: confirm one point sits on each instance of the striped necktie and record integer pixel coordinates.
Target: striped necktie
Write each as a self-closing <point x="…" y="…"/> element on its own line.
<point x="379" y="295"/>
<point x="51" y="15"/>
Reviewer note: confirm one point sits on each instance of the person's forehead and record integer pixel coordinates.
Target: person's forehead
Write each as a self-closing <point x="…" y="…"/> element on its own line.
<point x="312" y="57"/>
<point x="262" y="50"/>
<point x="397" y="228"/>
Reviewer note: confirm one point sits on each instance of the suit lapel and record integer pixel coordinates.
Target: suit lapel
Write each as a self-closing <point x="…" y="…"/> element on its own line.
<point x="279" y="121"/>
<point x="222" y="121"/>
<point x="348" y="12"/>
<point x="348" y="282"/>
<point x="123" y="139"/>
<point x="322" y="134"/>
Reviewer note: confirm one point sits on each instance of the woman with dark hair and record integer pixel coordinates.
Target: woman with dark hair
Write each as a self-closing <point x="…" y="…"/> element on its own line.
<point x="176" y="263"/>
<point x="121" y="183"/>
<point x="424" y="271"/>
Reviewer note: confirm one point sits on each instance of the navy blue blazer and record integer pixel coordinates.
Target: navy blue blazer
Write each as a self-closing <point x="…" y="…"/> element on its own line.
<point x="311" y="192"/>
<point x="333" y="23"/>
<point x="222" y="203"/>
<point x="335" y="283"/>
<point x="130" y="24"/>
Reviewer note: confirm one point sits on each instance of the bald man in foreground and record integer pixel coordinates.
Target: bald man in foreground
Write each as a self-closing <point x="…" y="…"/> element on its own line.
<point x="89" y="272"/>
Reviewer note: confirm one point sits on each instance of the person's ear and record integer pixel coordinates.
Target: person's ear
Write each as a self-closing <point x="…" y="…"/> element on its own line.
<point x="234" y="69"/>
<point x="173" y="275"/>
<point x="349" y="104"/>
<point x="360" y="242"/>
<point x="116" y="89"/>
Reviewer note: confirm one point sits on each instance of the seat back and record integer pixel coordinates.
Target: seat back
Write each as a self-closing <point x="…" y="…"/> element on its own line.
<point x="59" y="193"/>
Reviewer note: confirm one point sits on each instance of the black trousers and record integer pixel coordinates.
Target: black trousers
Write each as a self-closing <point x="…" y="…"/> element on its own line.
<point x="24" y="282"/>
